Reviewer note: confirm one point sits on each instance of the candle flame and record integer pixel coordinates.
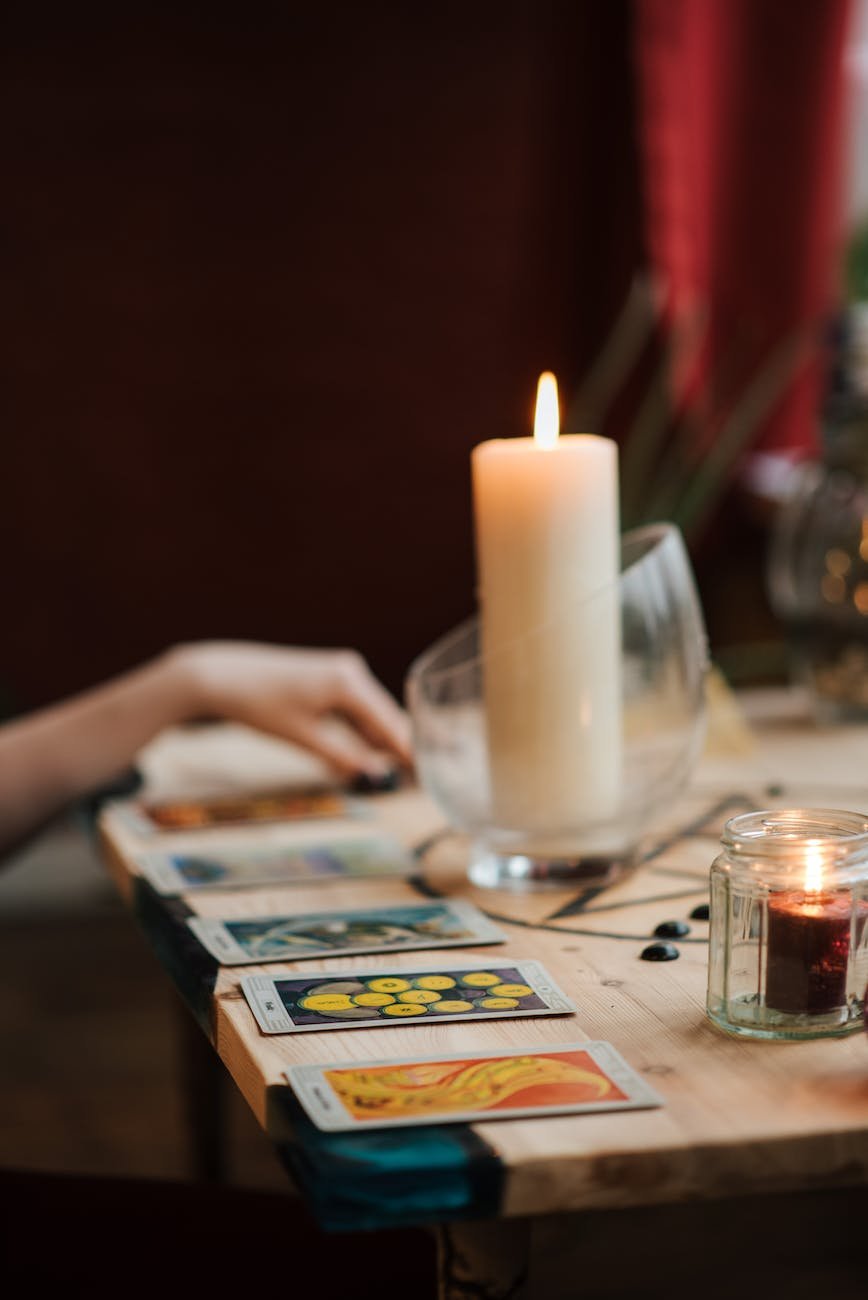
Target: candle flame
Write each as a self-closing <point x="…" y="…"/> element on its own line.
<point x="813" y="870"/>
<point x="547" y="420"/>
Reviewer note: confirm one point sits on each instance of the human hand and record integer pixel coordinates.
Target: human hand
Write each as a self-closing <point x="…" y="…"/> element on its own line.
<point x="298" y="694"/>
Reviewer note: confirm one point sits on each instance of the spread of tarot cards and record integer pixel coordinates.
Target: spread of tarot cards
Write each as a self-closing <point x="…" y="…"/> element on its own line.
<point x="173" y="815"/>
<point x="297" y="862"/>
<point x="235" y="941"/>
<point x="514" y="1083"/>
<point x="289" y="1004"/>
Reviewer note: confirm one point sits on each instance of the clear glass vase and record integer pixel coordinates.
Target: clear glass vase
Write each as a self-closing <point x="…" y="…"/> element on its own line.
<point x="818" y="557"/>
<point x="554" y="769"/>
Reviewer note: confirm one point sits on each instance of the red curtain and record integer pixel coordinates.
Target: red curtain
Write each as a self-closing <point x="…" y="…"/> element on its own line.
<point x="740" y="127"/>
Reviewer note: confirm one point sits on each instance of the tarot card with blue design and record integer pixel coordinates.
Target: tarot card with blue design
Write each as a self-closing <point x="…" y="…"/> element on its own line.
<point x="177" y="871"/>
<point x="436" y="924"/>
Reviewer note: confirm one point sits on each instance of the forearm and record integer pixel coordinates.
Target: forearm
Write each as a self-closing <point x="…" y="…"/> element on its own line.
<point x="53" y="757"/>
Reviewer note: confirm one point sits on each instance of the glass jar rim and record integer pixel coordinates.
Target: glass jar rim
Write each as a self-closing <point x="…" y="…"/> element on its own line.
<point x="774" y="834"/>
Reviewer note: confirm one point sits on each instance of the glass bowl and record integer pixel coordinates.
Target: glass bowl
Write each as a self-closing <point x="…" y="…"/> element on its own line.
<point x="557" y="753"/>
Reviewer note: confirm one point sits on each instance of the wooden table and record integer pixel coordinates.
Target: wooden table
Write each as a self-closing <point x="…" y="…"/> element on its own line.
<point x="516" y="1199"/>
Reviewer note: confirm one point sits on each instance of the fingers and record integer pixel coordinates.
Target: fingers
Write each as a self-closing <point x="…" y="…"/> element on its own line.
<point x="343" y="749"/>
<point x="370" y="707"/>
<point x="299" y="694"/>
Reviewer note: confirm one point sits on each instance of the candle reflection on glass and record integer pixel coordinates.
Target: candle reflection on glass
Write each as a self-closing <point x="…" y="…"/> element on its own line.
<point x="808" y="945"/>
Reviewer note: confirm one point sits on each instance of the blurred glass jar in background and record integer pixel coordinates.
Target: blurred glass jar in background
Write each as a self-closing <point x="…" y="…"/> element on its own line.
<point x="817" y="569"/>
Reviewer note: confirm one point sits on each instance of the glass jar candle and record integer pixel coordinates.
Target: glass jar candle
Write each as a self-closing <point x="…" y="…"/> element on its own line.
<point x="788" y="950"/>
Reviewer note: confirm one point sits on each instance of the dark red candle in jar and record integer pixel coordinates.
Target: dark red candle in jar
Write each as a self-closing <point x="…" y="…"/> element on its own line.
<point x="808" y="951"/>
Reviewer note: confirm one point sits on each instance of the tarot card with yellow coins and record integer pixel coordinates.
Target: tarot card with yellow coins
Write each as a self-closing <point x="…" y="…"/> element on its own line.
<point x="288" y="1004"/>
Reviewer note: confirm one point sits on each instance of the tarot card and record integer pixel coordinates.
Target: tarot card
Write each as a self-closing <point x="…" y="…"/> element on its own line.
<point x="288" y="1004"/>
<point x="177" y="871"/>
<point x="515" y="1083"/>
<point x="173" y="815"/>
<point x="235" y="942"/>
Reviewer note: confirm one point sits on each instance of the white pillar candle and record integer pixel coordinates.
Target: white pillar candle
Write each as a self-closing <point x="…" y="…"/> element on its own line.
<point x="548" y="546"/>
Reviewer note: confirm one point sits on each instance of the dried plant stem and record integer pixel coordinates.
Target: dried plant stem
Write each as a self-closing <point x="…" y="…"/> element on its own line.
<point x="645" y="439"/>
<point x="629" y="335"/>
<point x="739" y="428"/>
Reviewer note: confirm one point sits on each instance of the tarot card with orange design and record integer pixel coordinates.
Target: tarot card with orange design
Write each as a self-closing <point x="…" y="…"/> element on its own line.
<point x="173" y="815"/>
<point x="517" y="1083"/>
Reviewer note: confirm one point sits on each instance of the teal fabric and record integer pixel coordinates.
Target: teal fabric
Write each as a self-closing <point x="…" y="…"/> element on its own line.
<point x="389" y="1178"/>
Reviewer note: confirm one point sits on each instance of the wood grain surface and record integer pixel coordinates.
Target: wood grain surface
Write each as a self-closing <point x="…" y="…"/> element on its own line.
<point x="739" y="1116"/>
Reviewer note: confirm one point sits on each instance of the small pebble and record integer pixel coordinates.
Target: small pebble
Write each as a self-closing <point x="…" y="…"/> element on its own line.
<point x="672" y="929"/>
<point x="700" y="913"/>
<point x="660" y="952"/>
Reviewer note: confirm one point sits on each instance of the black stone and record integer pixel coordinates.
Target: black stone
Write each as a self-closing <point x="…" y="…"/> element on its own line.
<point x="671" y="929"/>
<point x="700" y="913"/>
<point x="660" y="952"/>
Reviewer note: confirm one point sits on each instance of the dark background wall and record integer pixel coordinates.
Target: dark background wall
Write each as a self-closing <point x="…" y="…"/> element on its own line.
<point x="268" y="274"/>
